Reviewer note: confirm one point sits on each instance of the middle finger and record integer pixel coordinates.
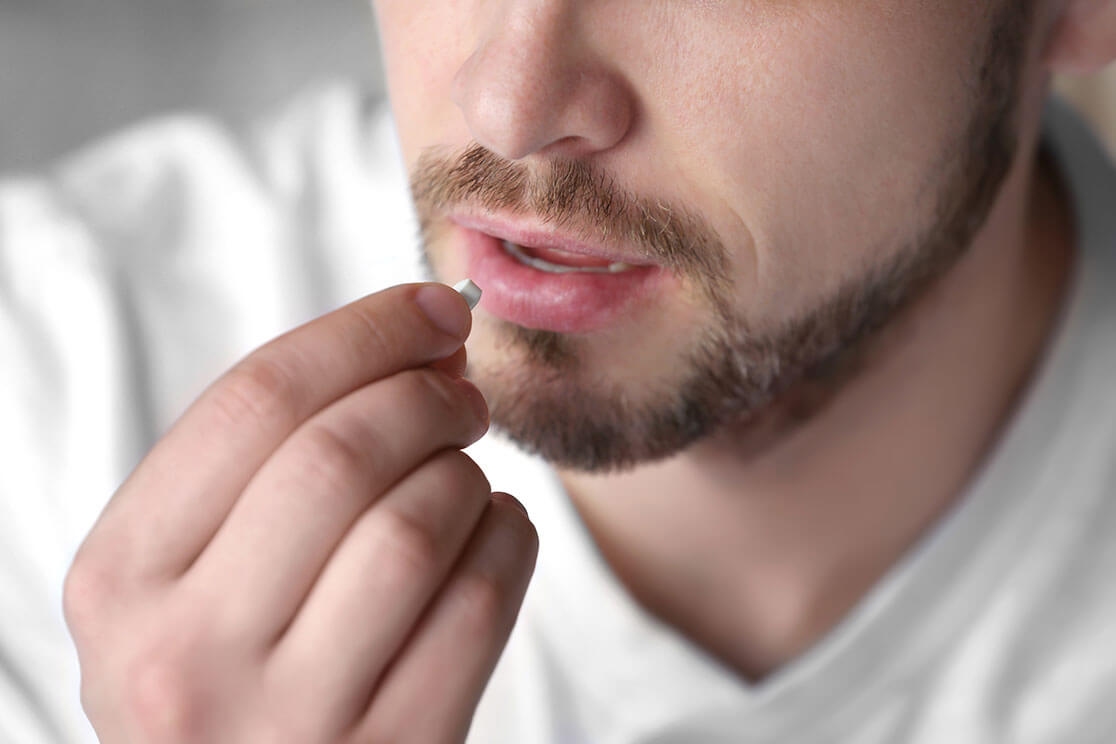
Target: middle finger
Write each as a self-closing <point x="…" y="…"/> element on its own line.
<point x="373" y="590"/>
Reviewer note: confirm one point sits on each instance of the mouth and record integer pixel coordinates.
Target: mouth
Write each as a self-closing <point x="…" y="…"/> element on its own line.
<point x="540" y="278"/>
<point x="562" y="262"/>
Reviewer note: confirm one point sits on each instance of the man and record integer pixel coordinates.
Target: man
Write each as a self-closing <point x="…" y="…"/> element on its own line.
<point x="804" y="310"/>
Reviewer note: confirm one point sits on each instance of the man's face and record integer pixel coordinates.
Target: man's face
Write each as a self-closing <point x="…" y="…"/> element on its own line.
<point x="782" y="175"/>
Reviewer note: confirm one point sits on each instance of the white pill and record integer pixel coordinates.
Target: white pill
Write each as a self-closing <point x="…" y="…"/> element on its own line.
<point x="470" y="291"/>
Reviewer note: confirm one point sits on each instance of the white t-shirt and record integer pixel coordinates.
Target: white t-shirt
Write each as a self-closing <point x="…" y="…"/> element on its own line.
<point x="137" y="271"/>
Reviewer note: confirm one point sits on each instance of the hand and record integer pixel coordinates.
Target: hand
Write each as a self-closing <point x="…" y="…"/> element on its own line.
<point x="307" y="556"/>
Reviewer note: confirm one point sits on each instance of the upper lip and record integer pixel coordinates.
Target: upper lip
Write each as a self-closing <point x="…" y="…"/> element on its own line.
<point x="535" y="235"/>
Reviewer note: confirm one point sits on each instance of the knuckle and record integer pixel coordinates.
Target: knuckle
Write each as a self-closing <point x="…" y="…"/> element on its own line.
<point x="256" y="390"/>
<point x="376" y="728"/>
<point x="287" y="721"/>
<point x="376" y="340"/>
<point x="84" y="592"/>
<point x="480" y="600"/>
<point x="334" y="462"/>
<point x="90" y="695"/>
<point x="410" y="548"/>
<point x="162" y="701"/>
<point x="435" y="388"/>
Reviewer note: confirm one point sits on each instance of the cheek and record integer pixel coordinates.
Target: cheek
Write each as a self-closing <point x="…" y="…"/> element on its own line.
<point x="424" y="44"/>
<point x="820" y="142"/>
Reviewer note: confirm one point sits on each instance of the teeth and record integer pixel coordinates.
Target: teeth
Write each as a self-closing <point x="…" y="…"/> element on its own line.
<point x="542" y="265"/>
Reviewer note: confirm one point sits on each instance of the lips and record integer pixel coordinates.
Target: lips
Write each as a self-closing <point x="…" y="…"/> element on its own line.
<point x="538" y="278"/>
<point x="543" y="238"/>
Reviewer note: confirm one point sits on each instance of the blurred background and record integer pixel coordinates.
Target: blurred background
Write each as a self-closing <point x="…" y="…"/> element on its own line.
<point x="74" y="70"/>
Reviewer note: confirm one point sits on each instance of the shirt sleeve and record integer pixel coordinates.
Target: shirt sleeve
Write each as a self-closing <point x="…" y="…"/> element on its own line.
<point x="61" y="408"/>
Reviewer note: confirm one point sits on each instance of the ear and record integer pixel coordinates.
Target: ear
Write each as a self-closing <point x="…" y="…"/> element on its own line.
<point x="1082" y="37"/>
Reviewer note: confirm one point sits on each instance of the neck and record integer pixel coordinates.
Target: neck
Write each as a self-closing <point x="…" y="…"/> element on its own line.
<point x="756" y="554"/>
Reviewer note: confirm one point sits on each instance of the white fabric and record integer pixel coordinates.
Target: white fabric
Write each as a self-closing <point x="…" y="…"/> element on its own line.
<point x="139" y="270"/>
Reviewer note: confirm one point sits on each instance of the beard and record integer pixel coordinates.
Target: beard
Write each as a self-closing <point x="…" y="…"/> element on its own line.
<point x="555" y="404"/>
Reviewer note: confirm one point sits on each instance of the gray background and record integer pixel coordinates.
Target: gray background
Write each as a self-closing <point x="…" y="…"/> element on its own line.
<point x="73" y="70"/>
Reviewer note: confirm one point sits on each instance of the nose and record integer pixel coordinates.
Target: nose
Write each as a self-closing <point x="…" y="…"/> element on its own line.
<point x="532" y="86"/>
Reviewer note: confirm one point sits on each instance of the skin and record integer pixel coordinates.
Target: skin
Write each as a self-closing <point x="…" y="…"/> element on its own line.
<point x="207" y="601"/>
<point x="728" y="367"/>
<point x="229" y="580"/>
<point x="815" y="140"/>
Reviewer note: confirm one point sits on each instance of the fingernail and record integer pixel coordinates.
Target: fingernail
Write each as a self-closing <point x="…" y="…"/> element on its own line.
<point x="445" y="308"/>
<point x="507" y="498"/>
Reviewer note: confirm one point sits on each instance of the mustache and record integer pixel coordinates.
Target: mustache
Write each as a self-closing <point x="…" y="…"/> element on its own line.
<point x="575" y="196"/>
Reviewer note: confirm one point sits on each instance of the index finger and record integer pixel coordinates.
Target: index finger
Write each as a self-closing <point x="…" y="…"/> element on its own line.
<point x="185" y="487"/>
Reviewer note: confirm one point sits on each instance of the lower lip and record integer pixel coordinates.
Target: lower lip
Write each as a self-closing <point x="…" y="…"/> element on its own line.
<point x="570" y="302"/>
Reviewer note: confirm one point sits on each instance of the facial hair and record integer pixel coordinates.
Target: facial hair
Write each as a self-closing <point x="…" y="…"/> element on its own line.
<point x="554" y="404"/>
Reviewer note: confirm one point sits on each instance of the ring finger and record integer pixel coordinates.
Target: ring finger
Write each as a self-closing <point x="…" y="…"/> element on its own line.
<point x="433" y="686"/>
<point x="375" y="587"/>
